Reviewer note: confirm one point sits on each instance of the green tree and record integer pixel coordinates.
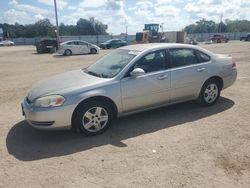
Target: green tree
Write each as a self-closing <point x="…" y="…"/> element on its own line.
<point x="238" y="25"/>
<point x="44" y="28"/>
<point x="90" y="27"/>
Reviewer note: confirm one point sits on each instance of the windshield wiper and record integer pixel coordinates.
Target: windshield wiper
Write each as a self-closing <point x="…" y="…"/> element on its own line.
<point x="92" y="73"/>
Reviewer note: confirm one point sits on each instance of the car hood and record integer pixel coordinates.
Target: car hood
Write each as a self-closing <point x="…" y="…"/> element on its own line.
<point x="63" y="82"/>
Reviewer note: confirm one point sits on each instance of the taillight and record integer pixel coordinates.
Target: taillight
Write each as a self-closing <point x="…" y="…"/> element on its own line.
<point x="233" y="63"/>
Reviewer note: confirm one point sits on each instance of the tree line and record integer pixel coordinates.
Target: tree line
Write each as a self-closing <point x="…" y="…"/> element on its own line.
<point x="44" y="28"/>
<point x="209" y="26"/>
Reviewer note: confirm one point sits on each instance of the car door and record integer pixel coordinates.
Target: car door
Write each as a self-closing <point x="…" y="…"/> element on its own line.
<point x="77" y="47"/>
<point x="149" y="89"/>
<point x="113" y="44"/>
<point x="188" y="73"/>
<point x="83" y="48"/>
<point x="73" y="46"/>
<point x="119" y="43"/>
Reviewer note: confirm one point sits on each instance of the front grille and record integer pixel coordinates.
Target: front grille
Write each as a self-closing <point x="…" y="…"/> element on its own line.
<point x="42" y="123"/>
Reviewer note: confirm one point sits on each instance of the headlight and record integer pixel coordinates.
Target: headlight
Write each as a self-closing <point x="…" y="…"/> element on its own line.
<point x="49" y="101"/>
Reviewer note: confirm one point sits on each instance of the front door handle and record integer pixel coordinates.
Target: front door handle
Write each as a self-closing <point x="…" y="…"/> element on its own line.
<point x="162" y="77"/>
<point x="201" y="69"/>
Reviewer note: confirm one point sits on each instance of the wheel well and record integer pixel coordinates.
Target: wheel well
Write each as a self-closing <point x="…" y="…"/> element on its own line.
<point x="219" y="79"/>
<point x="93" y="50"/>
<point x="98" y="98"/>
<point x="68" y="50"/>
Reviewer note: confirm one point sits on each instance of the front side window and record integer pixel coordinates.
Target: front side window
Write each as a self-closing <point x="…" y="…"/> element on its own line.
<point x="153" y="61"/>
<point x="111" y="64"/>
<point x="182" y="57"/>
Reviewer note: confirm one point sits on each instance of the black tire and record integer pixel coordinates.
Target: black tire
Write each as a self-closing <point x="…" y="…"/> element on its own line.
<point x="204" y="95"/>
<point x="108" y="46"/>
<point x="79" y="117"/>
<point x="68" y="52"/>
<point x="93" y="51"/>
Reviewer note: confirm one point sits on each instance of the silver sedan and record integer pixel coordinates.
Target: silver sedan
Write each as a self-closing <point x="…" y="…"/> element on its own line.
<point x="128" y="80"/>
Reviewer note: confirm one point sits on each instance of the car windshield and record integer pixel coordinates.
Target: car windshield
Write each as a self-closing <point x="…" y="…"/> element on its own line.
<point x="108" y="41"/>
<point x="111" y="64"/>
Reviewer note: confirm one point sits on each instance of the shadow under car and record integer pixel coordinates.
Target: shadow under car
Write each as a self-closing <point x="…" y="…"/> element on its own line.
<point x="27" y="144"/>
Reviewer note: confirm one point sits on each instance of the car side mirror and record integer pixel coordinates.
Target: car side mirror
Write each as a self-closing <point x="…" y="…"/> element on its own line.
<point x="137" y="72"/>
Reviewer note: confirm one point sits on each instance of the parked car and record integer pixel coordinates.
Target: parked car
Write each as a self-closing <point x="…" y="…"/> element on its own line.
<point x="128" y="80"/>
<point x="219" y="38"/>
<point x="192" y="41"/>
<point x="245" y="38"/>
<point x="46" y="46"/>
<point x="113" y="43"/>
<point x="7" y="43"/>
<point x="77" y="47"/>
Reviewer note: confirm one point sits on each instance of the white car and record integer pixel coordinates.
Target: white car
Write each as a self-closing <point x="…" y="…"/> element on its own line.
<point x="7" y="43"/>
<point x="77" y="47"/>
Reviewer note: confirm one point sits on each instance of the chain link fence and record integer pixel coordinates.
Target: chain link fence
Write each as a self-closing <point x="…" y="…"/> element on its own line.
<point x="98" y="39"/>
<point x="201" y="37"/>
<point x="94" y="39"/>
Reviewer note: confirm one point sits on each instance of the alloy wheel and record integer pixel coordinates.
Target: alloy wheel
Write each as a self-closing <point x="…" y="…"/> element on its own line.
<point x="95" y="119"/>
<point x="211" y="93"/>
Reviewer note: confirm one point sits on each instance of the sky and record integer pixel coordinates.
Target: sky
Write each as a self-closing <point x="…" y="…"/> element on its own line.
<point x="118" y="14"/>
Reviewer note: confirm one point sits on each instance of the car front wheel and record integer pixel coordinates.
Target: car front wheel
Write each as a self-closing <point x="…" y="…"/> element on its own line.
<point x="210" y="93"/>
<point x="67" y="52"/>
<point x="92" y="118"/>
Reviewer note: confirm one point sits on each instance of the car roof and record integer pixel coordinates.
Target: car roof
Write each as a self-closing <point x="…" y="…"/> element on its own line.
<point x="148" y="46"/>
<point x="75" y="41"/>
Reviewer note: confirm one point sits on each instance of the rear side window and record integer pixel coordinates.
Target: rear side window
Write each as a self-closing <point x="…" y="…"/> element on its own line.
<point x="203" y="57"/>
<point x="76" y="43"/>
<point x="83" y="43"/>
<point x="182" y="57"/>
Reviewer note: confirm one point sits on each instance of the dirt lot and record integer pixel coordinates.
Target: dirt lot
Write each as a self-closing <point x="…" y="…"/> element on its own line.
<point x="178" y="146"/>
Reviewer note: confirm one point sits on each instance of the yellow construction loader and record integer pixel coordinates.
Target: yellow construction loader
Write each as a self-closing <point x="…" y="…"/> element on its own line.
<point x="151" y="34"/>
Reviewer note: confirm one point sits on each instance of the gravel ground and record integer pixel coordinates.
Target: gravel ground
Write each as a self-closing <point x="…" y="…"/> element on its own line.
<point x="184" y="145"/>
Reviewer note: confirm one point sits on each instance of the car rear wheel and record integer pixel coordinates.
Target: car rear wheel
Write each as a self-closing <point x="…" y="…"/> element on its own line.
<point x="93" y="51"/>
<point x="210" y="93"/>
<point x="67" y="52"/>
<point x="92" y="118"/>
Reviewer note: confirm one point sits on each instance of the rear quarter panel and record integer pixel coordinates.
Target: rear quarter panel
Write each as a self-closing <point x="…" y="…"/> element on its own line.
<point x="221" y="66"/>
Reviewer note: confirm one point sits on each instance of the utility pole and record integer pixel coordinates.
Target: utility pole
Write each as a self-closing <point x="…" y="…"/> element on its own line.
<point x="220" y="26"/>
<point x="162" y="29"/>
<point x="126" y="32"/>
<point x="57" y="28"/>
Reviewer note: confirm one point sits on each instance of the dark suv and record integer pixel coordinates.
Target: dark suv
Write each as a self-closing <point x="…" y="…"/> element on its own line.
<point x="219" y="38"/>
<point x="245" y="38"/>
<point x="46" y="46"/>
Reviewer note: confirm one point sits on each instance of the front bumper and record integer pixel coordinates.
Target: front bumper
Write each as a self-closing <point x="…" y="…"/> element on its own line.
<point x="56" y="118"/>
<point x="60" y="51"/>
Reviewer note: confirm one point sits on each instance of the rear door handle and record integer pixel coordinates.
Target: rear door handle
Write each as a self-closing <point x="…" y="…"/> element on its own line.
<point x="201" y="69"/>
<point x="162" y="77"/>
